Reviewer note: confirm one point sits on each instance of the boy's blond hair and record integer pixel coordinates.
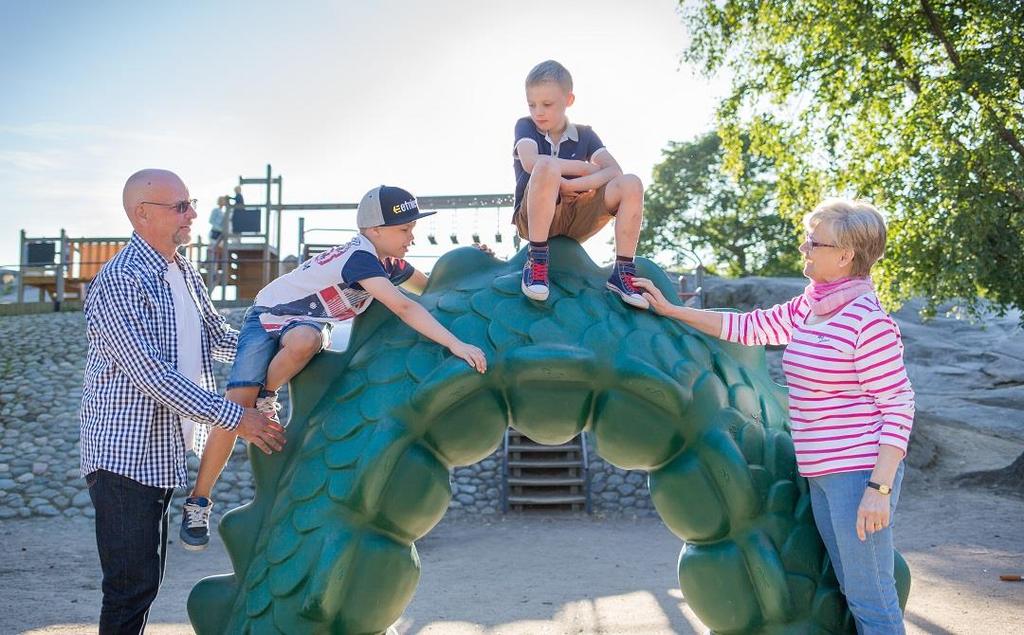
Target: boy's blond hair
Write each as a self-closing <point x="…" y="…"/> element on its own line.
<point x="550" y="71"/>
<point x="857" y="225"/>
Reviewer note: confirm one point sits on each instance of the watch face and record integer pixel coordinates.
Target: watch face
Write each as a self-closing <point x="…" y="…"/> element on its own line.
<point x="885" y="489"/>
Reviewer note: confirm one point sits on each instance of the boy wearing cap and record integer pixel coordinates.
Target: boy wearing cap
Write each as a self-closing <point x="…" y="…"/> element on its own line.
<point x="291" y="318"/>
<point x="568" y="184"/>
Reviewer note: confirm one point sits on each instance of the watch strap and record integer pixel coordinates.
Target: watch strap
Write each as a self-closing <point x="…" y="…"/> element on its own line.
<point x="883" y="489"/>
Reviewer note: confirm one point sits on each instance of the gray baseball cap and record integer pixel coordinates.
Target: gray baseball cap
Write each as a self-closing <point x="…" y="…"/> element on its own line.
<point x="386" y="205"/>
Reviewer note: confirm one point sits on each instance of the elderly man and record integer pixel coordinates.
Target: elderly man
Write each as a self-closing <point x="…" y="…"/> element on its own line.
<point x="153" y="335"/>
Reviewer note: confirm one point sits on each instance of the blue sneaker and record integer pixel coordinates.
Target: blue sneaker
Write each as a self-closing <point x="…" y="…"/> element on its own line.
<point x="621" y="282"/>
<point x="195" y="523"/>
<point x="535" y="276"/>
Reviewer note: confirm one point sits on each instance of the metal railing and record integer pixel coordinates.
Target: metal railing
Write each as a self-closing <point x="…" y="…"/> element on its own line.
<point x="504" y="471"/>
<point x="586" y="471"/>
<point x="695" y="296"/>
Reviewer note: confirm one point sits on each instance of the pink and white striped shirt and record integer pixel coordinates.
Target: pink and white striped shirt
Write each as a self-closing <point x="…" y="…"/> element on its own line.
<point x="848" y="387"/>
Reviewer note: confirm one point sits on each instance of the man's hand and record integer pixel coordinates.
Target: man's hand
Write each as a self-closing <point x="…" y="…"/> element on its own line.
<point x="473" y="355"/>
<point x="654" y="295"/>
<point x="257" y="429"/>
<point x="873" y="513"/>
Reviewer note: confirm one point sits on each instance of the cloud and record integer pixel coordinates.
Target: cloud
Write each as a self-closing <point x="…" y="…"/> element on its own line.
<point x="31" y="160"/>
<point x="59" y="131"/>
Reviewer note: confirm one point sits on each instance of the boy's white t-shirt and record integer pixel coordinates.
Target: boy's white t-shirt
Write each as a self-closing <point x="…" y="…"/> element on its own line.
<point x="326" y="287"/>
<point x="188" y="327"/>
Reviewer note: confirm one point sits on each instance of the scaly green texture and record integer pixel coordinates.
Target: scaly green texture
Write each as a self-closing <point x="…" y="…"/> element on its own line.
<point x="327" y="546"/>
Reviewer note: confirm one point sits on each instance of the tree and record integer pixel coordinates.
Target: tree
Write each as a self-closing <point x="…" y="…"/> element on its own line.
<point x="693" y="202"/>
<point x="917" y="106"/>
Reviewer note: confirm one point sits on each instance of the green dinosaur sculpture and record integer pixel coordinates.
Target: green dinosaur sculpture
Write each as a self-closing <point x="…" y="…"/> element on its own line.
<point x="328" y="543"/>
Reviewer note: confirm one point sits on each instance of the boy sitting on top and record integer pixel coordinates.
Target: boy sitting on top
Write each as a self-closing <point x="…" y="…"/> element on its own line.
<point x="568" y="184"/>
<point x="290" y="322"/>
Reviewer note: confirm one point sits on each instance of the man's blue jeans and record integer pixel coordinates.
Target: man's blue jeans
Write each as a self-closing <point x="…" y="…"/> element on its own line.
<point x="131" y="536"/>
<point x="864" y="569"/>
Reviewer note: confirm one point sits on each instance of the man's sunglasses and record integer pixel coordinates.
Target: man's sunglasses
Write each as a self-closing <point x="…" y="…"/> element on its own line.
<point x="180" y="207"/>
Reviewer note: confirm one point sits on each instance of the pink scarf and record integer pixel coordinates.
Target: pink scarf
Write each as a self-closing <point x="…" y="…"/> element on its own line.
<point x="826" y="298"/>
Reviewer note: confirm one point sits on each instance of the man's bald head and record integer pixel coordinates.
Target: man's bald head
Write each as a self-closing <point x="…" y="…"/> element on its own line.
<point x="148" y="185"/>
<point x="153" y="201"/>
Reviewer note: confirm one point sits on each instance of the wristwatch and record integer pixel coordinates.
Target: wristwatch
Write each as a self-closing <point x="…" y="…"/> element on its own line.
<point x="882" y="489"/>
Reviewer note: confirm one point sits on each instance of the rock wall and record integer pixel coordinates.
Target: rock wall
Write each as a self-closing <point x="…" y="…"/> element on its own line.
<point x="476" y="489"/>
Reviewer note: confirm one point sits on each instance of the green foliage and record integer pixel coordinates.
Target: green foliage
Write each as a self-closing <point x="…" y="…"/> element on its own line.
<point x="694" y="203"/>
<point x="916" y="106"/>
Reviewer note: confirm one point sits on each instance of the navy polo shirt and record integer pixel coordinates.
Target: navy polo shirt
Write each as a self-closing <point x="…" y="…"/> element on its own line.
<point x="578" y="143"/>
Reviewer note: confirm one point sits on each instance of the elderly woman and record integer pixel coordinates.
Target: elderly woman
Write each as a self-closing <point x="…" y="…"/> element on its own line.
<point x="850" y="403"/>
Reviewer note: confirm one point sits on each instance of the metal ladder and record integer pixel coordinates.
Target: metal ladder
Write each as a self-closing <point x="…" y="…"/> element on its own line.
<point x="547" y="477"/>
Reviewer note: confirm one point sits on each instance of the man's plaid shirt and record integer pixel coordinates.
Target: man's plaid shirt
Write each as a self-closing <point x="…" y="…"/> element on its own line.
<point x="134" y="397"/>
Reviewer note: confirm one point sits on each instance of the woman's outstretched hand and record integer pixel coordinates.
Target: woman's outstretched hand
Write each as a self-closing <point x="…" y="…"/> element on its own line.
<point x="653" y="294"/>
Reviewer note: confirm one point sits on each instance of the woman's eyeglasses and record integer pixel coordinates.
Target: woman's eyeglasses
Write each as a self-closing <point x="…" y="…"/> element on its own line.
<point x="808" y="240"/>
<point x="181" y="207"/>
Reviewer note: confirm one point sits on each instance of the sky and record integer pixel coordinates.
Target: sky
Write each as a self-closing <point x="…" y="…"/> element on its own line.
<point x="338" y="96"/>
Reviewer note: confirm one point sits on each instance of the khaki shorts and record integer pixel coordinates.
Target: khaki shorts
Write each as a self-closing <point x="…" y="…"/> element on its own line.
<point x="578" y="219"/>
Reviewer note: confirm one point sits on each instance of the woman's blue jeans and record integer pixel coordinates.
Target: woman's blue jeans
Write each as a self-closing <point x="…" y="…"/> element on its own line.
<point x="864" y="569"/>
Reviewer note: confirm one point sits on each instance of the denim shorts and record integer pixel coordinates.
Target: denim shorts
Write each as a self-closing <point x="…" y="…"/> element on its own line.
<point x="257" y="347"/>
